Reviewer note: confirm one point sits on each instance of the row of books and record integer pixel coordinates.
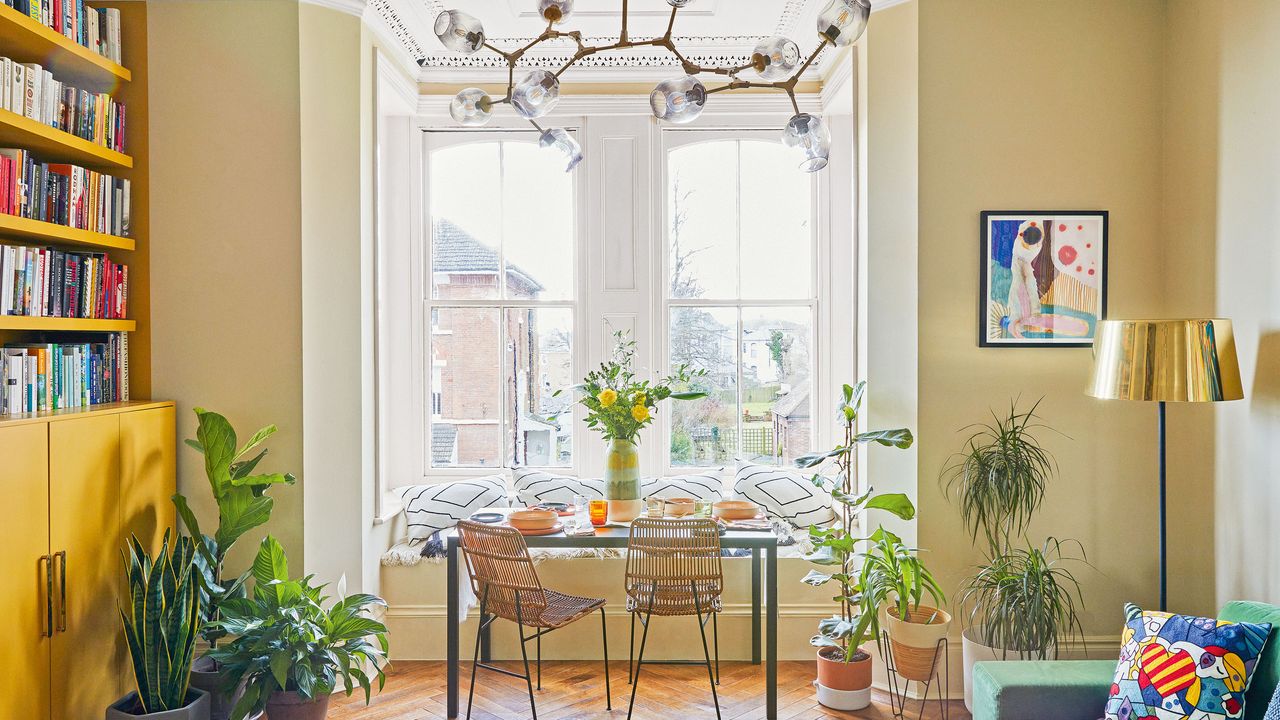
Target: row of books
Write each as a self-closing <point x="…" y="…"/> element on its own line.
<point x="47" y="282"/>
<point x="56" y="376"/>
<point x="95" y="28"/>
<point x="31" y="91"/>
<point x="63" y="194"/>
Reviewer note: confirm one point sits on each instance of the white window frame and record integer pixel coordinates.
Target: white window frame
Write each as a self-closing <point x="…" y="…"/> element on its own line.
<point x="819" y="302"/>
<point x="437" y="138"/>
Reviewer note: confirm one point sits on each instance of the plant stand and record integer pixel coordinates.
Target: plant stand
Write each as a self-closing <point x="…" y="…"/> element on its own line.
<point x="898" y="691"/>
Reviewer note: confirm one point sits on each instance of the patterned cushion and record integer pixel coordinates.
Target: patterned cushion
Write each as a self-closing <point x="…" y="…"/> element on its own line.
<point x="700" y="486"/>
<point x="1176" y="666"/>
<point x="784" y="493"/>
<point x="536" y="486"/>
<point x="429" y="508"/>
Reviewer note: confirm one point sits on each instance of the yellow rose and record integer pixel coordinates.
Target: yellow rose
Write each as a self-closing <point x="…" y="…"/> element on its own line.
<point x="640" y="413"/>
<point x="640" y="399"/>
<point x="607" y="397"/>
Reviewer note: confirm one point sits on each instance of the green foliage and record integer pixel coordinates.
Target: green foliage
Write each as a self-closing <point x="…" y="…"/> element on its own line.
<point x="285" y="639"/>
<point x="620" y="406"/>
<point x="892" y="572"/>
<point x="836" y="546"/>
<point x="1024" y="601"/>
<point x="243" y="504"/>
<point x="161" y="620"/>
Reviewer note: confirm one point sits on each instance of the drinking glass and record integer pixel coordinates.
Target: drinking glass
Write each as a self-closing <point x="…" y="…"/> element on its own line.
<point x="581" y="514"/>
<point x="599" y="512"/>
<point x="656" y="507"/>
<point x="702" y="509"/>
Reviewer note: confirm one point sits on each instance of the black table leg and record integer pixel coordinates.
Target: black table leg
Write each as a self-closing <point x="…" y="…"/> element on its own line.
<point x="755" y="606"/>
<point x="771" y="643"/>
<point x="451" y="609"/>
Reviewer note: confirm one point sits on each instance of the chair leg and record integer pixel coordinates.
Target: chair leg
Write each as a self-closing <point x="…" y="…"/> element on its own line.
<point x="631" y="651"/>
<point x="635" y="681"/>
<point x="715" y="640"/>
<point x="604" y="639"/>
<point x="539" y="663"/>
<point x="524" y="654"/>
<point x="702" y="629"/>
<point x="475" y="659"/>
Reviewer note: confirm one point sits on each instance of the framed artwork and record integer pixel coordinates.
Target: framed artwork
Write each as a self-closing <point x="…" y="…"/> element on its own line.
<point x="1044" y="278"/>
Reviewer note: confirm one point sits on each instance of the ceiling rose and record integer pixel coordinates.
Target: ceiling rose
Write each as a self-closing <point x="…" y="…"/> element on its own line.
<point x="777" y="63"/>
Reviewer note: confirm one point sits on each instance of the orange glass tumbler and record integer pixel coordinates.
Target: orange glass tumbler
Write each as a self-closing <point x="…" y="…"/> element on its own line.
<point x="599" y="510"/>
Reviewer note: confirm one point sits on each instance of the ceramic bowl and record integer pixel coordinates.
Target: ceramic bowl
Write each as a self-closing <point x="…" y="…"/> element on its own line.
<point x="680" y="506"/>
<point x="532" y="519"/>
<point x="735" y="509"/>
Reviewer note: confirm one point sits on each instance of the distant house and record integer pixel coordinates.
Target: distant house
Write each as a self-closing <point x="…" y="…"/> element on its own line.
<point x="791" y="423"/>
<point x="467" y="363"/>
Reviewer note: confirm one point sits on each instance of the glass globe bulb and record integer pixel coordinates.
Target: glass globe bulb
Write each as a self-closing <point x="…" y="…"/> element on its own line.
<point x="555" y="10"/>
<point x="472" y="107"/>
<point x="562" y="142"/>
<point x="776" y="58"/>
<point x="809" y="134"/>
<point x="679" y="3"/>
<point x="459" y="31"/>
<point x="536" y="94"/>
<point x="843" y="21"/>
<point x="678" y="100"/>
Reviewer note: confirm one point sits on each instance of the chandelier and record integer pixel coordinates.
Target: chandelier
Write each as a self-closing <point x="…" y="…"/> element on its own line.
<point x="776" y="62"/>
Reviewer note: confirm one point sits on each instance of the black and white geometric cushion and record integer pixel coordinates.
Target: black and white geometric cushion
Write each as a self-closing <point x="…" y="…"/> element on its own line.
<point x="429" y="508"/>
<point x="535" y="486"/>
<point x="784" y="493"/>
<point x="700" y="486"/>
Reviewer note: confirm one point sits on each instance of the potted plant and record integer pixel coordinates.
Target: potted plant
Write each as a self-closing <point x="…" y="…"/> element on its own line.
<point x="620" y="406"/>
<point x="1020" y="601"/>
<point x="243" y="504"/>
<point x="844" y="667"/>
<point x="289" y="650"/>
<point x="161" y="620"/>
<point x="893" y="579"/>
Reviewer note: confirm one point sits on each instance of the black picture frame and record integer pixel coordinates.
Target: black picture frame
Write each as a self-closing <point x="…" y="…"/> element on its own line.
<point x="984" y="270"/>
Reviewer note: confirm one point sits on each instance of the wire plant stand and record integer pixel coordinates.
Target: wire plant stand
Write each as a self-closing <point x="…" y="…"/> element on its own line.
<point x="899" y="687"/>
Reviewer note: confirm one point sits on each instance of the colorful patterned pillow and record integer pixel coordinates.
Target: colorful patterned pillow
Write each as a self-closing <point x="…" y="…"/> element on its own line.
<point x="1180" y="666"/>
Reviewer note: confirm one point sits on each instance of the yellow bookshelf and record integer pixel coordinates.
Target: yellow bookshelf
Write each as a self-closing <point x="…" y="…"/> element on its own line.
<point x="47" y="324"/>
<point x="53" y="145"/>
<point x="12" y="226"/>
<point x="26" y="40"/>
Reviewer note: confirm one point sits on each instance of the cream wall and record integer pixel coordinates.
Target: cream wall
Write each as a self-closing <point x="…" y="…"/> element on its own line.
<point x="225" y="262"/>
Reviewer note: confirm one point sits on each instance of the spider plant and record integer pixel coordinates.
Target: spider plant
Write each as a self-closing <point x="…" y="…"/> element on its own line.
<point x="1024" y="600"/>
<point x="1000" y="477"/>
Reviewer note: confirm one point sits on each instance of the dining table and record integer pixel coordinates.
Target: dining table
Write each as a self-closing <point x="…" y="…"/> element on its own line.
<point x="763" y="544"/>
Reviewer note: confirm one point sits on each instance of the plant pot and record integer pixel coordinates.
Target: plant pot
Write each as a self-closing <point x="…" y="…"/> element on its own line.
<point x="915" y="640"/>
<point x="197" y="708"/>
<point x="844" y="685"/>
<point x="206" y="676"/>
<point x="975" y="652"/>
<point x="622" y="481"/>
<point x="291" y="706"/>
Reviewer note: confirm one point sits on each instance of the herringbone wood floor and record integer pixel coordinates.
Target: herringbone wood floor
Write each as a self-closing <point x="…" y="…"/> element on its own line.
<point x="575" y="691"/>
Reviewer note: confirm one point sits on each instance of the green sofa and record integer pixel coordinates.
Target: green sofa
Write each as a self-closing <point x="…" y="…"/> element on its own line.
<point x="1078" y="689"/>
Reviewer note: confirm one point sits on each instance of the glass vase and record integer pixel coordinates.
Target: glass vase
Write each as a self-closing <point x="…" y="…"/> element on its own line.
<point x="622" y="481"/>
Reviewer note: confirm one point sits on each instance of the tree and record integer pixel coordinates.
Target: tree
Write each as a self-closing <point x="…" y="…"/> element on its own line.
<point x="779" y="350"/>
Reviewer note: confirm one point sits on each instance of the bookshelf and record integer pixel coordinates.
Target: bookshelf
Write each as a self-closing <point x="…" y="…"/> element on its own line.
<point x="26" y="40"/>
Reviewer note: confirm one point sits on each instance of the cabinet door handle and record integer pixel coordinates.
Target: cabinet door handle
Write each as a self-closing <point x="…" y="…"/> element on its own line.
<point x="47" y="562"/>
<point x="62" y="589"/>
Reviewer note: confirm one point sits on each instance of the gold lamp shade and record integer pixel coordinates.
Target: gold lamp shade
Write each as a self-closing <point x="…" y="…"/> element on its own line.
<point x="1166" y="360"/>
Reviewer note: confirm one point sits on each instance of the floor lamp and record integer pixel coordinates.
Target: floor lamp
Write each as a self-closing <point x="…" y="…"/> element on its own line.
<point x="1165" y="361"/>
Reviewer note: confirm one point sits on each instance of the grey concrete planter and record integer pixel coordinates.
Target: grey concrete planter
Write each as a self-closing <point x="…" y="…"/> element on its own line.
<point x="205" y="676"/>
<point x="197" y="708"/>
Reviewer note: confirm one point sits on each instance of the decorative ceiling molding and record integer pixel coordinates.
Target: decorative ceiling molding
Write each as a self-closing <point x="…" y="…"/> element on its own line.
<point x="398" y="28"/>
<point x="574" y="106"/>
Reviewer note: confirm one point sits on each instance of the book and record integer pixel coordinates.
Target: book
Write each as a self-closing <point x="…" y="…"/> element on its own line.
<point x="92" y="116"/>
<point x="97" y="29"/>
<point x="63" y="194"/>
<point x="36" y="377"/>
<point x="48" y="282"/>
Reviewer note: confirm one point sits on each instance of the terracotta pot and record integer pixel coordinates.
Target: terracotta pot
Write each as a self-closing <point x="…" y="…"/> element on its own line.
<point x="291" y="706"/>
<point x="844" y="685"/>
<point x="915" y="640"/>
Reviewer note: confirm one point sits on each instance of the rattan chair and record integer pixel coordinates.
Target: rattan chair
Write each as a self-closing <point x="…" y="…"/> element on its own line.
<point x="504" y="578"/>
<point x="673" y="569"/>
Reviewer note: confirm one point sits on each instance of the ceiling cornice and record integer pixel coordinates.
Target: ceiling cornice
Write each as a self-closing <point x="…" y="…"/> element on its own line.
<point x="740" y="104"/>
<point x="350" y="7"/>
<point x="878" y="5"/>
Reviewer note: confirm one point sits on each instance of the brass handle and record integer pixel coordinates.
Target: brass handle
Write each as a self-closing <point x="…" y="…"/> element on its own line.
<point x="45" y="560"/>
<point x="62" y="589"/>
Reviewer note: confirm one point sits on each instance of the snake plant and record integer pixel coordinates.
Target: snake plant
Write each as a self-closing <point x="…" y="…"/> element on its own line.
<point x="161" y="621"/>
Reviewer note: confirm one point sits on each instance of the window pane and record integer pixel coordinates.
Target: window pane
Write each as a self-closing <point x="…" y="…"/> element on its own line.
<point x="777" y="366"/>
<point x="466" y="221"/>
<point x="702" y="212"/>
<point x="777" y="232"/>
<point x="540" y="354"/>
<point x="537" y="222"/>
<point x="467" y="378"/>
<point x="704" y="432"/>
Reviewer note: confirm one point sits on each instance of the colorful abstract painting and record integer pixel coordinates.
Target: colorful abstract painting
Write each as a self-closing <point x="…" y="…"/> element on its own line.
<point x="1044" y="278"/>
<point x="1181" y="667"/>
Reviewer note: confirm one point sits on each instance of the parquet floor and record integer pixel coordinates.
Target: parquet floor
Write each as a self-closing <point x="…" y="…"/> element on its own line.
<point x="575" y="691"/>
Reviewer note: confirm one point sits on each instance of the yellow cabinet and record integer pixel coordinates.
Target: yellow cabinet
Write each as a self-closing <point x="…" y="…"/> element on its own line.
<point x="83" y="481"/>
<point x="24" y="565"/>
